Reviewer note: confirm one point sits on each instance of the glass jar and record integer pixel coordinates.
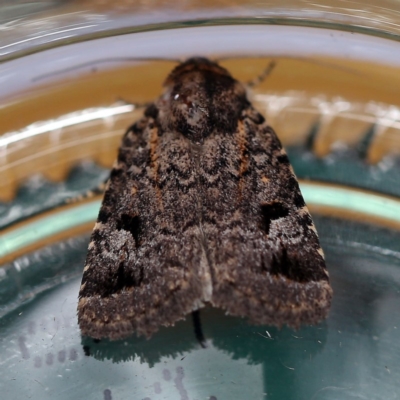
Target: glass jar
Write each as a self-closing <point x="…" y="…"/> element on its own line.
<point x="73" y="77"/>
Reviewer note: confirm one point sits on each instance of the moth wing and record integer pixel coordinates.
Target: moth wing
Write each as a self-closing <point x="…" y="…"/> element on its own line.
<point x="267" y="263"/>
<point x="143" y="267"/>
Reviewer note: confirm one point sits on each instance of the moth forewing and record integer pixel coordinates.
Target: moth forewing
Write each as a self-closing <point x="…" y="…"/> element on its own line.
<point x="202" y="207"/>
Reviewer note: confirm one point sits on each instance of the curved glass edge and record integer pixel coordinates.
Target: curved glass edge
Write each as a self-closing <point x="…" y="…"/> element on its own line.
<point x="44" y="65"/>
<point x="22" y="36"/>
<point x="28" y="276"/>
<point x="39" y="195"/>
<point x="366" y="206"/>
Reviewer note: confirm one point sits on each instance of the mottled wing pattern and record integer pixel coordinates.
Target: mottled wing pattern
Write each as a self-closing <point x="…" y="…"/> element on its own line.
<point x="266" y="260"/>
<point x="145" y="266"/>
<point x="202" y="207"/>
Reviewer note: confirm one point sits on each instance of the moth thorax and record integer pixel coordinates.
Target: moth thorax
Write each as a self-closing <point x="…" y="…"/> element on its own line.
<point x="187" y="112"/>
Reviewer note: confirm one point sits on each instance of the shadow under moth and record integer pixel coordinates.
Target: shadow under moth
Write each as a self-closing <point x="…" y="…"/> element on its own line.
<point x="202" y="207"/>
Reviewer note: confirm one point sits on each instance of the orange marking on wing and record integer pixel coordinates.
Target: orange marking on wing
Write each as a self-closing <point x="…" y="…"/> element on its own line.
<point x="265" y="179"/>
<point x="154" y="163"/>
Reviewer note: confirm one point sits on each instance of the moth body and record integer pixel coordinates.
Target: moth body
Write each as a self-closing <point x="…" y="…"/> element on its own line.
<point x="202" y="207"/>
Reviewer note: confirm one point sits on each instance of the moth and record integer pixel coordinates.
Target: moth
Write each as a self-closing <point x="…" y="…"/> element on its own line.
<point x="202" y="207"/>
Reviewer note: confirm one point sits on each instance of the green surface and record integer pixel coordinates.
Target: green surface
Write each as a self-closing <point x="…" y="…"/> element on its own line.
<point x="48" y="226"/>
<point x="352" y="201"/>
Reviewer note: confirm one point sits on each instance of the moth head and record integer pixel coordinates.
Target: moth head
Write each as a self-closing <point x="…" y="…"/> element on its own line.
<point x="199" y="97"/>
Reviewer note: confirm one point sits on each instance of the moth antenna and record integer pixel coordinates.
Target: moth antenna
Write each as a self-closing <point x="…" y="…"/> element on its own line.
<point x="198" y="331"/>
<point x="264" y="75"/>
<point x="306" y="59"/>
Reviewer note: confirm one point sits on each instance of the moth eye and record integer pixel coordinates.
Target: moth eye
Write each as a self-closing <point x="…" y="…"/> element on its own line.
<point x="184" y="98"/>
<point x="270" y="212"/>
<point x="130" y="224"/>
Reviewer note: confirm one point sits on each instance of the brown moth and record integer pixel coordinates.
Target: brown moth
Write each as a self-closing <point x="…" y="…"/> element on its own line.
<point x="202" y="207"/>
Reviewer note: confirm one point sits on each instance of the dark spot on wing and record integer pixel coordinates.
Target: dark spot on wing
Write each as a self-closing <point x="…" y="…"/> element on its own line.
<point x="298" y="200"/>
<point x="116" y="173"/>
<point x="283" y="159"/>
<point x="125" y="278"/>
<point x="151" y="111"/>
<point x="281" y="264"/>
<point x="103" y="216"/>
<point x="271" y="212"/>
<point x="130" y="224"/>
<point x="292" y="185"/>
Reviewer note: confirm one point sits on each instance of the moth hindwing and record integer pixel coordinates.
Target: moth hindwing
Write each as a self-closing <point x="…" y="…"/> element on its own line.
<point x="202" y="207"/>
